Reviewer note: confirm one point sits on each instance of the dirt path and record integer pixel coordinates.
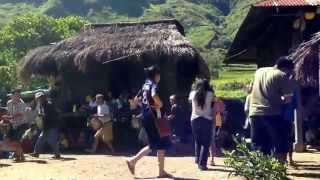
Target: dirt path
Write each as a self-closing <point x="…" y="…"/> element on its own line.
<point x="84" y="167"/>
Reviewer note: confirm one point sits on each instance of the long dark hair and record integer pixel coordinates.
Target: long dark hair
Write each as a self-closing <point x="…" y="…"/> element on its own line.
<point x="151" y="72"/>
<point x="202" y="86"/>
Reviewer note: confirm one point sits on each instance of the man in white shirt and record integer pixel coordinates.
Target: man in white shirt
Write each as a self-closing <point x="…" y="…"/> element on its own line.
<point x="102" y="124"/>
<point x="16" y="109"/>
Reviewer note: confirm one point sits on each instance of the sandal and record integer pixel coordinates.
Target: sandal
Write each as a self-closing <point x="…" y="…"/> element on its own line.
<point x="130" y="167"/>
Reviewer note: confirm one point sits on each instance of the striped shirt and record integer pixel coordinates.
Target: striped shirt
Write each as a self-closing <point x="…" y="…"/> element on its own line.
<point x="15" y="109"/>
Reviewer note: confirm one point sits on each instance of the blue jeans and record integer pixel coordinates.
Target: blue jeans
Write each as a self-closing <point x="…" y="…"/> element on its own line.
<point x="48" y="137"/>
<point x="202" y="132"/>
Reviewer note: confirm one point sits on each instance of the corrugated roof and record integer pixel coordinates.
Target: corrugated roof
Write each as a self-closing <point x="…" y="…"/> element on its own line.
<point x="285" y="3"/>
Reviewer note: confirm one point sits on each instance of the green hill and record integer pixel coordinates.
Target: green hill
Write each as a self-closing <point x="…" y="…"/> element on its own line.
<point x="210" y="24"/>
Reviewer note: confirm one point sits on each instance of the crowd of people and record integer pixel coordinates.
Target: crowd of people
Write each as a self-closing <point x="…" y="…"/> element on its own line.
<point x="269" y="107"/>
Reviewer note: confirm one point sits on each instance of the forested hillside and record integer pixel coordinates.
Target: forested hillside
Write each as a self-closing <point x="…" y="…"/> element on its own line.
<point x="210" y="24"/>
<point x="203" y="19"/>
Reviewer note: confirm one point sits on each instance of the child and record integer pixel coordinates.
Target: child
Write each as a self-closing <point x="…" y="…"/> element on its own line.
<point x="9" y="144"/>
<point x="288" y="116"/>
<point x="219" y="110"/>
<point x="247" y="105"/>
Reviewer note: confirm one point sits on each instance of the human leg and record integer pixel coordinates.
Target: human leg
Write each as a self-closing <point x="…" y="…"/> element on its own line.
<point x="259" y="136"/>
<point x="277" y="130"/>
<point x="196" y="137"/>
<point x="133" y="160"/>
<point x="97" y="136"/>
<point x="213" y="146"/>
<point x="205" y="139"/>
<point x="38" y="148"/>
<point x="161" y="158"/>
<point x="53" y="141"/>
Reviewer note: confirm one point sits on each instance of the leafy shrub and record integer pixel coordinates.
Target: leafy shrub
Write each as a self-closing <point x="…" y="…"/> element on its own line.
<point x="253" y="165"/>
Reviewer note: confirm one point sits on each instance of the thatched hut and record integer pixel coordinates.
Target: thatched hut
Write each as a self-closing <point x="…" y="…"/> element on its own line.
<point x="273" y="28"/>
<point x="112" y="56"/>
<point x="306" y="58"/>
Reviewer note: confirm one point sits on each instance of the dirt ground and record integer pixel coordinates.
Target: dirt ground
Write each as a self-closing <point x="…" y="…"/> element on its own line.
<point x="103" y="167"/>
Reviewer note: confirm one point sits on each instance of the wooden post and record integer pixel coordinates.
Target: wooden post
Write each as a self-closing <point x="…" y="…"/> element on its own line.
<point x="298" y="122"/>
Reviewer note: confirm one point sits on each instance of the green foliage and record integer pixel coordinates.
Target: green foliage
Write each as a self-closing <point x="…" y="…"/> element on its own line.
<point x="214" y="59"/>
<point x="232" y="80"/>
<point x="253" y="165"/>
<point x="26" y="32"/>
<point x="9" y="10"/>
<point x="53" y="8"/>
<point x="210" y="25"/>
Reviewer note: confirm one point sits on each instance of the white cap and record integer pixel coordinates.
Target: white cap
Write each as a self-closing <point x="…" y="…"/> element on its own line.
<point x="39" y="94"/>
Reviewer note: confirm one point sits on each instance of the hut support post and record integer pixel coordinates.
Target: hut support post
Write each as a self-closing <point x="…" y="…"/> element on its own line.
<point x="298" y="122"/>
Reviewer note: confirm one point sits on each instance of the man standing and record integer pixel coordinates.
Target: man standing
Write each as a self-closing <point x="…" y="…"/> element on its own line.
<point x="16" y="110"/>
<point x="272" y="87"/>
<point x="50" y="126"/>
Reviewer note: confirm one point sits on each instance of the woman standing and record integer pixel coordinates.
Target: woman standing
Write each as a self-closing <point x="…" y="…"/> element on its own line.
<point x="151" y="105"/>
<point x="201" y="121"/>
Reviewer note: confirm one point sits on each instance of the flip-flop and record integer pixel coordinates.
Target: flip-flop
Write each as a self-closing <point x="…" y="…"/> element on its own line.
<point x="130" y="167"/>
<point x="167" y="175"/>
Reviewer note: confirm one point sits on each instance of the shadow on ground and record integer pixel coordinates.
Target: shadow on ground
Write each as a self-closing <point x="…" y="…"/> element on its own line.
<point x="306" y="175"/>
<point x="4" y="165"/>
<point x="174" y="178"/>
<point x="306" y="167"/>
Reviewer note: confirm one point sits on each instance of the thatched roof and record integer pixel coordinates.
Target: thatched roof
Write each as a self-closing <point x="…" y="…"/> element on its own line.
<point x="100" y="43"/>
<point x="306" y="57"/>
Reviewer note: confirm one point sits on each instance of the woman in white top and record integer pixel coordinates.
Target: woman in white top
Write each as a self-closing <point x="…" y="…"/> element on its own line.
<point x="201" y="121"/>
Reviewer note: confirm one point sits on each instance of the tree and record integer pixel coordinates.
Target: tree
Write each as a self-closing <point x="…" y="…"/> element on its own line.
<point x="26" y="32"/>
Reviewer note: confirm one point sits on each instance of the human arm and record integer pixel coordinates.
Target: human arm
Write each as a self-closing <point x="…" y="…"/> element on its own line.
<point x="173" y="112"/>
<point x="287" y="86"/>
<point x="157" y="103"/>
<point x="247" y="105"/>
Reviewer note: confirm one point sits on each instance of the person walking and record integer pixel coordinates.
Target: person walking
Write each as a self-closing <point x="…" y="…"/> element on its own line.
<point x="272" y="87"/>
<point x="151" y="105"/>
<point x="50" y="127"/>
<point x="201" y="121"/>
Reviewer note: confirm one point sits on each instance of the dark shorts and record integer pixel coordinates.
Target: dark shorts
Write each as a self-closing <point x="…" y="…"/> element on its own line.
<point x="270" y="134"/>
<point x="291" y="135"/>
<point x="154" y="140"/>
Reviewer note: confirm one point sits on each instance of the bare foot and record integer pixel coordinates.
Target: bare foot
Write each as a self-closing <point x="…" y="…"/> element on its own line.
<point x="164" y="174"/>
<point x="131" y="166"/>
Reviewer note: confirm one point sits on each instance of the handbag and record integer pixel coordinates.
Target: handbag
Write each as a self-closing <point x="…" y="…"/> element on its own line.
<point x="162" y="125"/>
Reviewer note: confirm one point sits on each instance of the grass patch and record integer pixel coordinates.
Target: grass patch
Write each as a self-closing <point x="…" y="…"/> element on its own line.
<point x="232" y="81"/>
